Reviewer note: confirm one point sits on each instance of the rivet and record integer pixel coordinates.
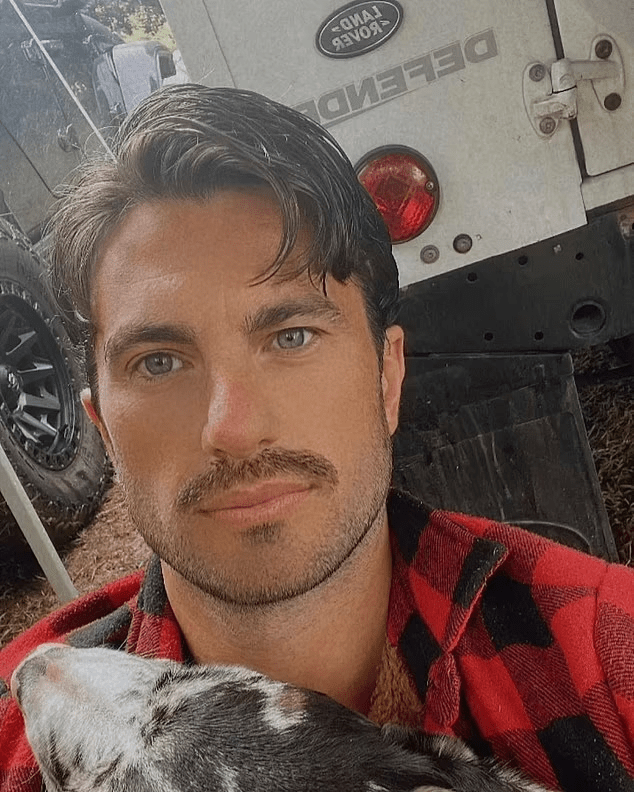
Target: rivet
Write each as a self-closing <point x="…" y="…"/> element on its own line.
<point x="429" y="254"/>
<point x="603" y="49"/>
<point x="462" y="243"/>
<point x="547" y="125"/>
<point x="612" y="101"/>
<point x="537" y="72"/>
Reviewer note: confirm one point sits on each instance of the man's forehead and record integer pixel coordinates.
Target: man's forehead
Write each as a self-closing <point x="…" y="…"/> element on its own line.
<point x="171" y="255"/>
<point x="258" y="308"/>
<point x="158" y="232"/>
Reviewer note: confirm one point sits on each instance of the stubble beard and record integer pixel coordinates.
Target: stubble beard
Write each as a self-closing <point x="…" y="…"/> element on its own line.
<point x="345" y="529"/>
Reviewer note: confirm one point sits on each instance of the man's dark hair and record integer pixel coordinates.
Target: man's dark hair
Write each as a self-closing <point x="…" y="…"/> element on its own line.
<point x="191" y="142"/>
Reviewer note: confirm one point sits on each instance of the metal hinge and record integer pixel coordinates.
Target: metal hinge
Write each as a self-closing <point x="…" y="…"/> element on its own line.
<point x="550" y="92"/>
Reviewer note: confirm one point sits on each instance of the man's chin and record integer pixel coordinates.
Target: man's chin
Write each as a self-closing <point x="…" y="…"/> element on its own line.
<point x="263" y="578"/>
<point x="239" y="592"/>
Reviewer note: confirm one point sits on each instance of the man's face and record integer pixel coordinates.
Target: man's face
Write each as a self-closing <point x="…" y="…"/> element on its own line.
<point x="249" y="422"/>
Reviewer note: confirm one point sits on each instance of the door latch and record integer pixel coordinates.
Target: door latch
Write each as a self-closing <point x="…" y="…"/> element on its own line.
<point x="550" y="93"/>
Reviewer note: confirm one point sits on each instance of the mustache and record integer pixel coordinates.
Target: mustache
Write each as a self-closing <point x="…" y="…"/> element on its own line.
<point x="268" y="464"/>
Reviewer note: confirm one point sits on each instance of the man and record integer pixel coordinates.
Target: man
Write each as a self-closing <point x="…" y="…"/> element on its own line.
<point x="237" y="296"/>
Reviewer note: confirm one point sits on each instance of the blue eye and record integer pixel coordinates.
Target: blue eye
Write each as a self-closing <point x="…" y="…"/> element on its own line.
<point x="293" y="338"/>
<point x="160" y="363"/>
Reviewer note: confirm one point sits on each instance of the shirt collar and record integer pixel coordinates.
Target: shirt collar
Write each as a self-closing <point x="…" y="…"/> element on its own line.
<point x="440" y="568"/>
<point x="154" y="631"/>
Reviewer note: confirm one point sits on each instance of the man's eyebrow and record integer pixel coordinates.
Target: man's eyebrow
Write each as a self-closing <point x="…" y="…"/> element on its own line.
<point x="132" y="335"/>
<point x="313" y="306"/>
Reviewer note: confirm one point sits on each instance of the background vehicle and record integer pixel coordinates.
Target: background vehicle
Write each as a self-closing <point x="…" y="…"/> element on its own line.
<point x="497" y="142"/>
<point x="63" y="78"/>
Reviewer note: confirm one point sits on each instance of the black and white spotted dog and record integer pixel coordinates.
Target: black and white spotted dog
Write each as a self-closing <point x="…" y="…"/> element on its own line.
<point x="105" y="721"/>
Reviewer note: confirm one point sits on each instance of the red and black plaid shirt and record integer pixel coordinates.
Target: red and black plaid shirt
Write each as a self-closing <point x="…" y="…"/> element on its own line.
<point x="520" y="645"/>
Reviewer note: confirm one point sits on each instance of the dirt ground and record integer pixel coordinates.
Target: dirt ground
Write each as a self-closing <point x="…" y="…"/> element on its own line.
<point x="608" y="411"/>
<point x="109" y="548"/>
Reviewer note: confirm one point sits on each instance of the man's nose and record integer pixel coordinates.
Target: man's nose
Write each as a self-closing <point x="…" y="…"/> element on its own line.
<point x="241" y="417"/>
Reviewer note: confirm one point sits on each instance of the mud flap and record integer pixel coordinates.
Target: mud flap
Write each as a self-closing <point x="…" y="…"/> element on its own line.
<point x="502" y="436"/>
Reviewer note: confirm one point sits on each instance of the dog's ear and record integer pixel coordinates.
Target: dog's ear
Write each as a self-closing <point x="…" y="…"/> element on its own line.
<point x="420" y="743"/>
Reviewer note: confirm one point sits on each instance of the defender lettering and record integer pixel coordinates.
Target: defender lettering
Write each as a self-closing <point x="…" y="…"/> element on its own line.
<point x="341" y="103"/>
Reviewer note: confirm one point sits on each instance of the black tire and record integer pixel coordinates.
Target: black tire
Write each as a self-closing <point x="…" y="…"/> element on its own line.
<point x="55" y="450"/>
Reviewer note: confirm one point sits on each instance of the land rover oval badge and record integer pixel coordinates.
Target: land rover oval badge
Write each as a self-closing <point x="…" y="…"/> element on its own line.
<point x="359" y="27"/>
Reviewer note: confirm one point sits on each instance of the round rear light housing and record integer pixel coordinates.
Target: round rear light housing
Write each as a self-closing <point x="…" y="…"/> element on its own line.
<point x="404" y="187"/>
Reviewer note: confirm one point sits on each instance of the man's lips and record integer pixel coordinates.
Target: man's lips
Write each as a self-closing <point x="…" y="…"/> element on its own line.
<point x="264" y="496"/>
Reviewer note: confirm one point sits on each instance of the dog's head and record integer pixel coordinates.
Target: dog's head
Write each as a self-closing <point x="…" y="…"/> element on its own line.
<point x="85" y="714"/>
<point x="99" y="720"/>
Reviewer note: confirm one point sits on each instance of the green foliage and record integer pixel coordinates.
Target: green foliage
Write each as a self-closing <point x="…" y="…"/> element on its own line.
<point x="139" y="27"/>
<point x="134" y="20"/>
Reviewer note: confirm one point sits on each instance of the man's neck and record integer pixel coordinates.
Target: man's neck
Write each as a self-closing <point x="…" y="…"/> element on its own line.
<point x="330" y="639"/>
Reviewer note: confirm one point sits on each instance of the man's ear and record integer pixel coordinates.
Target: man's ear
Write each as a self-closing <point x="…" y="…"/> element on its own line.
<point x="393" y="373"/>
<point x="93" y="414"/>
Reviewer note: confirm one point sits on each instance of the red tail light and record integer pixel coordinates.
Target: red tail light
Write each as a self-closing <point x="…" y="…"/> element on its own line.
<point x="404" y="187"/>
